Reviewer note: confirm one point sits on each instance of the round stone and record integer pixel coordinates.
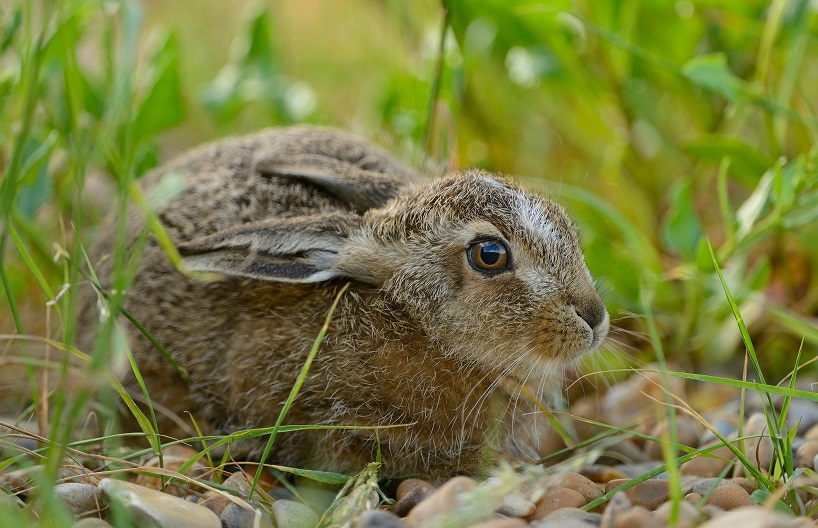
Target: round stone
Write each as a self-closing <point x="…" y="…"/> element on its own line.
<point x="649" y="494"/>
<point x="582" y="484"/>
<point x="729" y="496"/>
<point x="443" y="501"/>
<point x="687" y="516"/>
<point x="805" y="455"/>
<point x="410" y="499"/>
<point x="83" y="500"/>
<point x="514" y="505"/>
<point x="756" y="517"/>
<point x="556" y="499"/>
<point x="501" y="523"/>
<point x="410" y="484"/>
<point x="235" y="516"/>
<point x="291" y="514"/>
<point x="688" y="433"/>
<point x="637" y="517"/>
<point x="147" y="507"/>
<point x="379" y="519"/>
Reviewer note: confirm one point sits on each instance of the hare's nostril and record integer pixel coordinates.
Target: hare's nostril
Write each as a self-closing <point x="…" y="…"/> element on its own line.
<point x="591" y="313"/>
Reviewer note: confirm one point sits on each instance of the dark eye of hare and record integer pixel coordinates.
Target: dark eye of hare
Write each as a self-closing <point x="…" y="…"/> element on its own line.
<point x="488" y="256"/>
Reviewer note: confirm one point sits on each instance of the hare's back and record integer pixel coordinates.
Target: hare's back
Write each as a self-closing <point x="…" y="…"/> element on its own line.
<point x="217" y="186"/>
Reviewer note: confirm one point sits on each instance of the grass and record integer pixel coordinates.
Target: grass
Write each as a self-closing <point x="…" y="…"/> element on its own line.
<point x="689" y="163"/>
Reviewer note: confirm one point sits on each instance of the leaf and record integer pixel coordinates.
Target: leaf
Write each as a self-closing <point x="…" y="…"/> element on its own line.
<point x="326" y="477"/>
<point x="10" y="29"/>
<point x="259" y="51"/>
<point x="163" y="106"/>
<point x="746" y="162"/>
<point x="712" y="73"/>
<point x="761" y="496"/>
<point x="753" y="206"/>
<point x="682" y="230"/>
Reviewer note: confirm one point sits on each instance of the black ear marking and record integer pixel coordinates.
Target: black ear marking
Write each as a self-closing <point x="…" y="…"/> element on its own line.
<point x="299" y="249"/>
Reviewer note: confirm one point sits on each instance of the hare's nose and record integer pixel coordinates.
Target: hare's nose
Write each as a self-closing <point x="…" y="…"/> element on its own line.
<point x="592" y="312"/>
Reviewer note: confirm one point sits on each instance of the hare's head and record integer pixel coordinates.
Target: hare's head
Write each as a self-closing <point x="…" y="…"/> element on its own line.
<point x="490" y="273"/>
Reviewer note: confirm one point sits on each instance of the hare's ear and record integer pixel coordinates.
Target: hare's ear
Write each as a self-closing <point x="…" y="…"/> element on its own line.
<point x="300" y="249"/>
<point x="361" y="188"/>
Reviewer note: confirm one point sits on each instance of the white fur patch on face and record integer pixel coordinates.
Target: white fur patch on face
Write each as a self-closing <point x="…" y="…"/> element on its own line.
<point x="534" y="220"/>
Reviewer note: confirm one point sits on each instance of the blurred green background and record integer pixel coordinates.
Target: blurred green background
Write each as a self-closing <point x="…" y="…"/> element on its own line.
<point x="660" y="124"/>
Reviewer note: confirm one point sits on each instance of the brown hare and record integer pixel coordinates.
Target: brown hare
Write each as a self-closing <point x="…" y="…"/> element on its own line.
<point x="462" y="290"/>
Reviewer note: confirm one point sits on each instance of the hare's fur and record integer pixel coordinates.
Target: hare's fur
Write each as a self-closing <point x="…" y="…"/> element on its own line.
<point x="421" y="340"/>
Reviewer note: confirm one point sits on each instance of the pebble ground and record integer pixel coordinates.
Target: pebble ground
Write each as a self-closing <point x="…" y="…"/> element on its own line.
<point x="715" y="491"/>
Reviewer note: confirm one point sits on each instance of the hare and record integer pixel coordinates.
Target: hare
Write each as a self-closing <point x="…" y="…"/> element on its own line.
<point x="463" y="290"/>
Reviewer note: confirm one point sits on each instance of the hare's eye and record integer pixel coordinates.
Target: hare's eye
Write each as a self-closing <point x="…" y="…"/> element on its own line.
<point x="488" y="256"/>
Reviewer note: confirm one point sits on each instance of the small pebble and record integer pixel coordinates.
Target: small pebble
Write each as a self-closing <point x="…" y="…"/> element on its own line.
<point x="688" y="433"/>
<point x="625" y="453"/>
<point x="443" y="501"/>
<point x="501" y="523"/>
<point x="582" y="484"/>
<point x="147" y="507"/>
<point x="601" y="474"/>
<point x="175" y="487"/>
<point x="760" y="449"/>
<point x="91" y="522"/>
<point x="291" y="514"/>
<point x="687" y="516"/>
<point x="514" y="505"/>
<point x="589" y="407"/>
<point x="556" y="499"/>
<point x="728" y="496"/>
<point x="563" y="523"/>
<point x="379" y="519"/>
<point x="235" y="516"/>
<point x="649" y="494"/>
<point x="83" y="500"/>
<point x="20" y="479"/>
<point x="215" y="502"/>
<point x="637" y="398"/>
<point x="804" y="413"/>
<point x="410" y="484"/>
<point x="240" y="482"/>
<point x="756" y="517"/>
<point x="410" y="496"/>
<point x="638" y="469"/>
<point x="805" y="486"/>
<point x="693" y="498"/>
<point x="748" y="485"/>
<point x="578" y="514"/>
<point x="618" y="504"/>
<point x="710" y="465"/>
<point x="812" y="433"/>
<point x="637" y="517"/>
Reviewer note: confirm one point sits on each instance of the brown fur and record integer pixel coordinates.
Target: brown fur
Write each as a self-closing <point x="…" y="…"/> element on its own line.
<point x="420" y="338"/>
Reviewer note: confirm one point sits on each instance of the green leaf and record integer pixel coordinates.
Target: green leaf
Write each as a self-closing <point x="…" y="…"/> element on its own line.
<point x="259" y="51"/>
<point x="10" y="29"/>
<point x="682" y="230"/>
<point x="752" y="208"/>
<point x="163" y="106"/>
<point x="746" y="161"/>
<point x="761" y="496"/>
<point x="712" y="73"/>
<point x="326" y="477"/>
